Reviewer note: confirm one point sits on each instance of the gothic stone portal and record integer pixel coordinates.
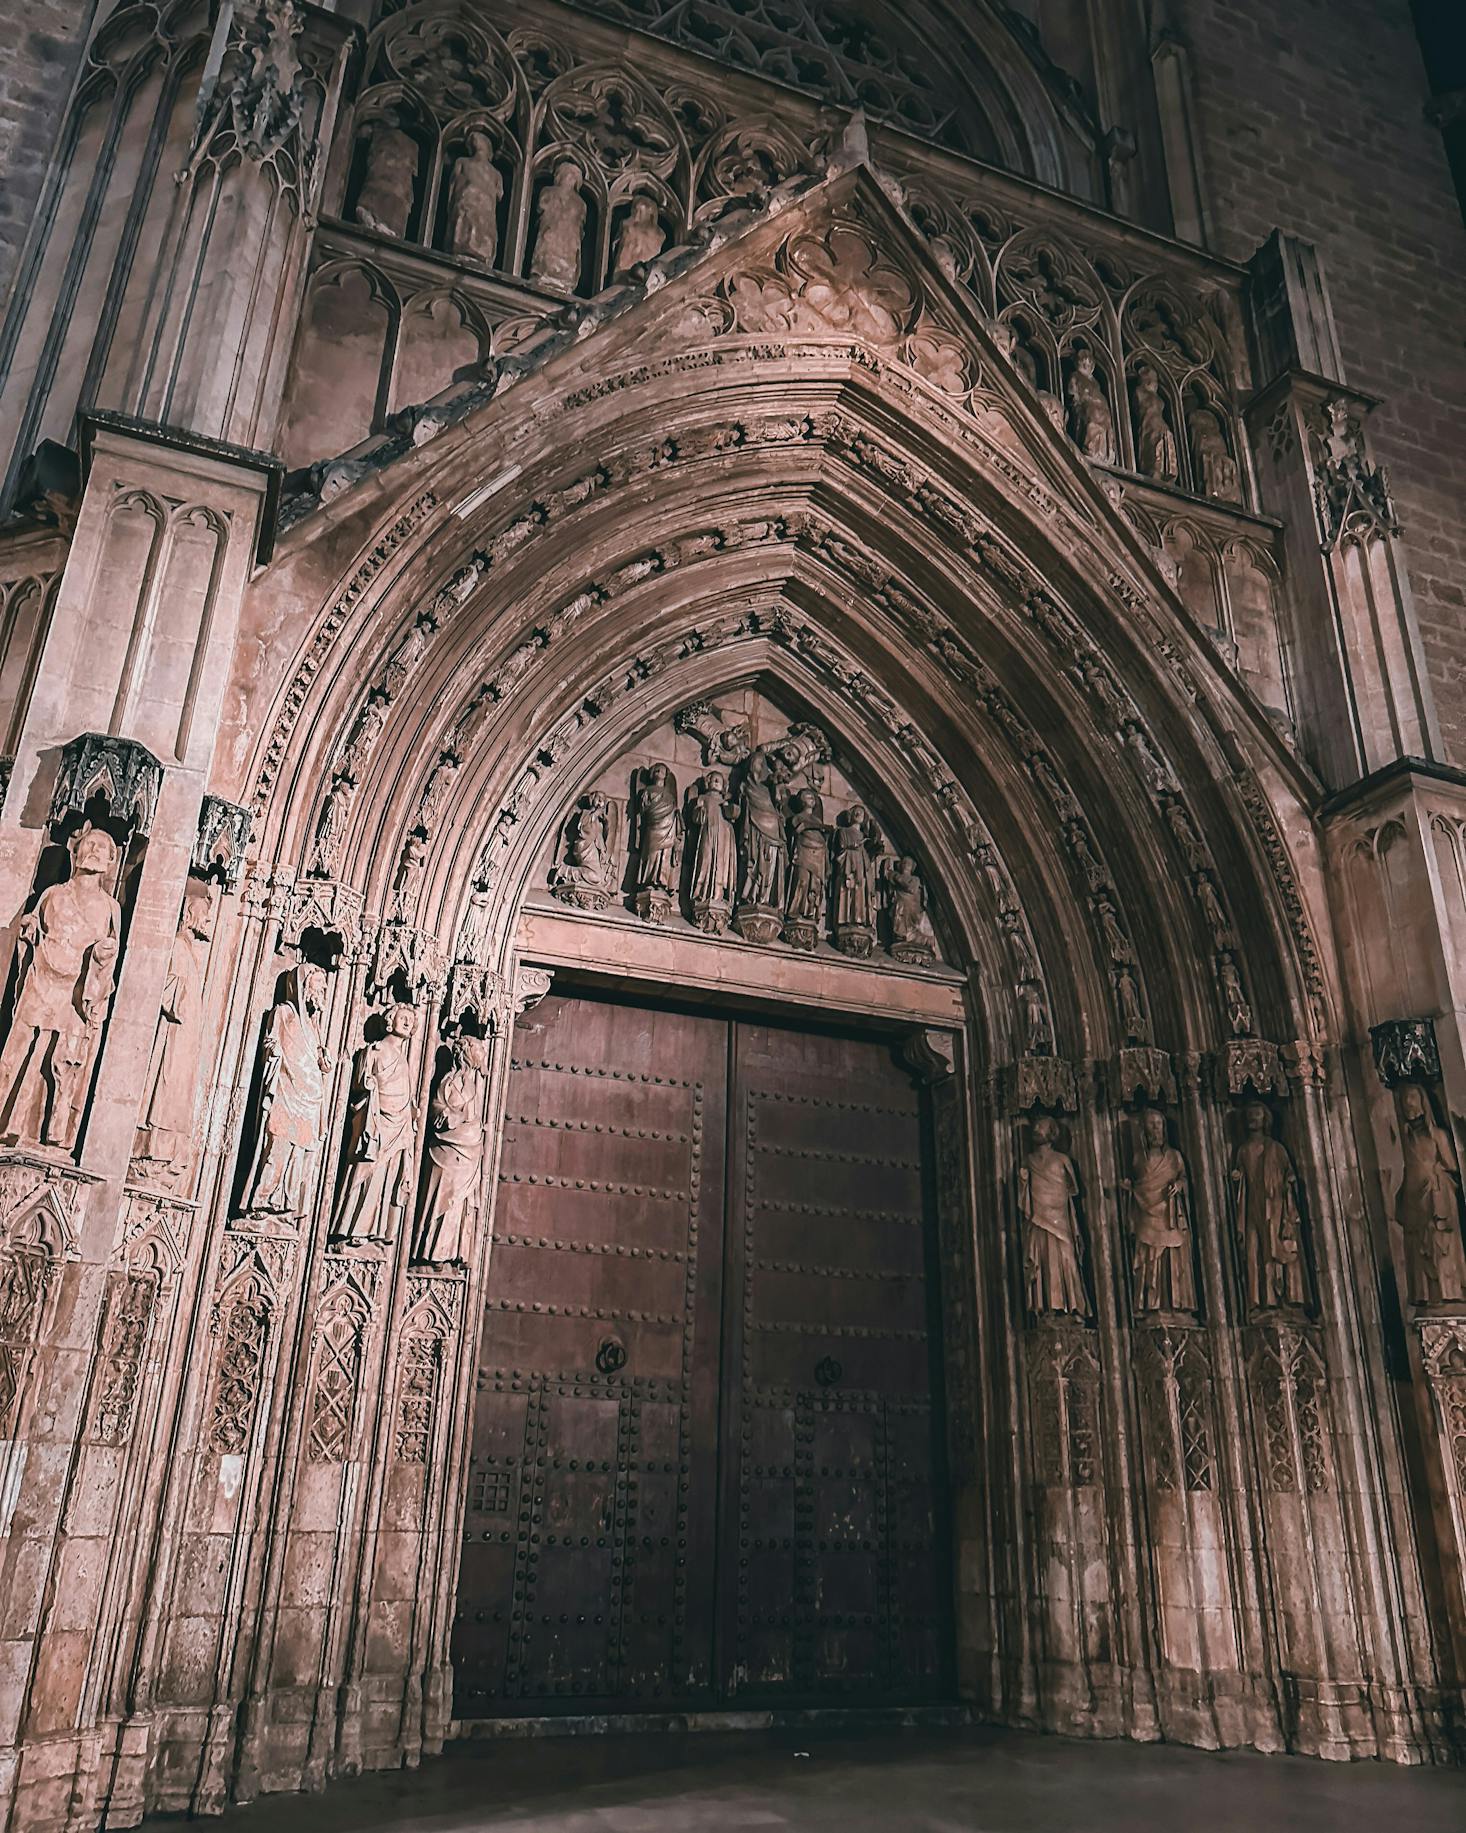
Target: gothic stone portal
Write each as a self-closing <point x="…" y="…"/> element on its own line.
<point x="705" y="1464"/>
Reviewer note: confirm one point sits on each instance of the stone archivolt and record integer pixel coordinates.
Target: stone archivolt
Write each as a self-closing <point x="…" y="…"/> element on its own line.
<point x="849" y="556"/>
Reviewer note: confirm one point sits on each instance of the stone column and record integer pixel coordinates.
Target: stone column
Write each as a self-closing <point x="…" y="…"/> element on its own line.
<point x="124" y="702"/>
<point x="1358" y="676"/>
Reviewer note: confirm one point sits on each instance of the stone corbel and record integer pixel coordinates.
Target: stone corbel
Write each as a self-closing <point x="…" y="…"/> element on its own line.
<point x="531" y="984"/>
<point x="930" y="1055"/>
<point x="125" y="773"/>
<point x="1405" y="1050"/>
<point x="1041" y="1082"/>
<point x="1143" y="1069"/>
<point x="223" y="835"/>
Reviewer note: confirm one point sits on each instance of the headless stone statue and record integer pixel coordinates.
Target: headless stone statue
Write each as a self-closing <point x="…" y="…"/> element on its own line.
<point x="389" y="187"/>
<point x="474" y="195"/>
<point x="67" y="953"/>
<point x="560" y="231"/>
<point x="1048" y="1191"/>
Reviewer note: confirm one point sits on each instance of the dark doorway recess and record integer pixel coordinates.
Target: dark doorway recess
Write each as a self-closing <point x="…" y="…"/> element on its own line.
<point x="705" y="1464"/>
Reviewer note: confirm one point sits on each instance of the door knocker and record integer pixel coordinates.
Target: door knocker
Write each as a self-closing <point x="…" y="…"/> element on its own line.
<point x="611" y="1356"/>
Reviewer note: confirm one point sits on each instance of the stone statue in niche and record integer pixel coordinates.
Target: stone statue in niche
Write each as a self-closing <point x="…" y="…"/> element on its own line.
<point x="1038" y="1032"/>
<point x="764" y="862"/>
<point x="642" y="236"/>
<point x="66" y="953"/>
<point x="1234" y="998"/>
<point x="455" y="1152"/>
<point x="1155" y="442"/>
<point x="1268" y="1216"/>
<point x="407" y="881"/>
<point x="475" y="931"/>
<point x="389" y="185"/>
<point x="381" y="1128"/>
<point x="293" y="1095"/>
<point x="475" y="193"/>
<point x="1048" y="1197"/>
<point x="1214" y="462"/>
<point x="857" y="845"/>
<point x="587" y="878"/>
<point x="809" y="870"/>
<point x="1159" y="1222"/>
<point x="913" y="940"/>
<point x="331" y="829"/>
<point x="560" y="231"/>
<point x="1090" y="421"/>
<point x="1429" y="1204"/>
<point x="714" y="854"/>
<point x="658" y="843"/>
<point x="165" y="1134"/>
<point x="1133" y="1026"/>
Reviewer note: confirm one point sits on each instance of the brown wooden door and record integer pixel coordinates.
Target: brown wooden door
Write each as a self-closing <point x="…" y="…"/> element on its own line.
<point x="702" y="1465"/>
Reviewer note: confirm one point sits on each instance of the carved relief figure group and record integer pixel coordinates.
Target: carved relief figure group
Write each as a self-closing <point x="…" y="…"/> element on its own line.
<point x="754" y="850"/>
<point x="1155" y="1210"/>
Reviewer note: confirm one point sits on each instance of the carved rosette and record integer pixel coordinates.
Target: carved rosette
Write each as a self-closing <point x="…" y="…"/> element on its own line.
<point x="126" y="774"/>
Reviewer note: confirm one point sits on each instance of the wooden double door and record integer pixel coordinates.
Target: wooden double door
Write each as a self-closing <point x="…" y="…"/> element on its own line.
<point x="705" y="1463"/>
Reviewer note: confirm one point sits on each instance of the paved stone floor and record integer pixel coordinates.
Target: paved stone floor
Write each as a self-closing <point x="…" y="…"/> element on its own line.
<point x="974" y="1781"/>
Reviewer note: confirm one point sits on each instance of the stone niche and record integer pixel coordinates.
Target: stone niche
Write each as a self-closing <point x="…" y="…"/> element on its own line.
<point x="597" y="861"/>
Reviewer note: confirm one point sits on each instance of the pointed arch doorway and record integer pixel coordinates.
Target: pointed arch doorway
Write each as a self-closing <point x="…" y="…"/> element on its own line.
<point x="707" y="1465"/>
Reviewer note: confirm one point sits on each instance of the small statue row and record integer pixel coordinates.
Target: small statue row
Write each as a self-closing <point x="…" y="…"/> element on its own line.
<point x="381" y="1172"/>
<point x="765" y="861"/>
<point x="388" y="193"/>
<point x="1157" y="451"/>
<point x="1269" y="1221"/>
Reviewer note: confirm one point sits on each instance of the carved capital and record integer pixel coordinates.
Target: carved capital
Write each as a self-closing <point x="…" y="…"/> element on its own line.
<point x="1142" y="1069"/>
<point x="1041" y="1082"/>
<point x="1250" y="1065"/>
<point x="125" y="773"/>
<point x="1443" y="1348"/>
<point x="1405" y="1050"/>
<point x="223" y="835"/>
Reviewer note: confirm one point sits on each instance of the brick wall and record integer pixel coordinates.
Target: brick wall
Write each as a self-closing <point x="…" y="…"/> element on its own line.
<point x="1311" y="118"/>
<point x="42" y="41"/>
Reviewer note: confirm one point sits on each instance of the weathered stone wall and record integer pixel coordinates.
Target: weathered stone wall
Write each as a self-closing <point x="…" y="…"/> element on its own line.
<point x="43" y="39"/>
<point x="1312" y="119"/>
